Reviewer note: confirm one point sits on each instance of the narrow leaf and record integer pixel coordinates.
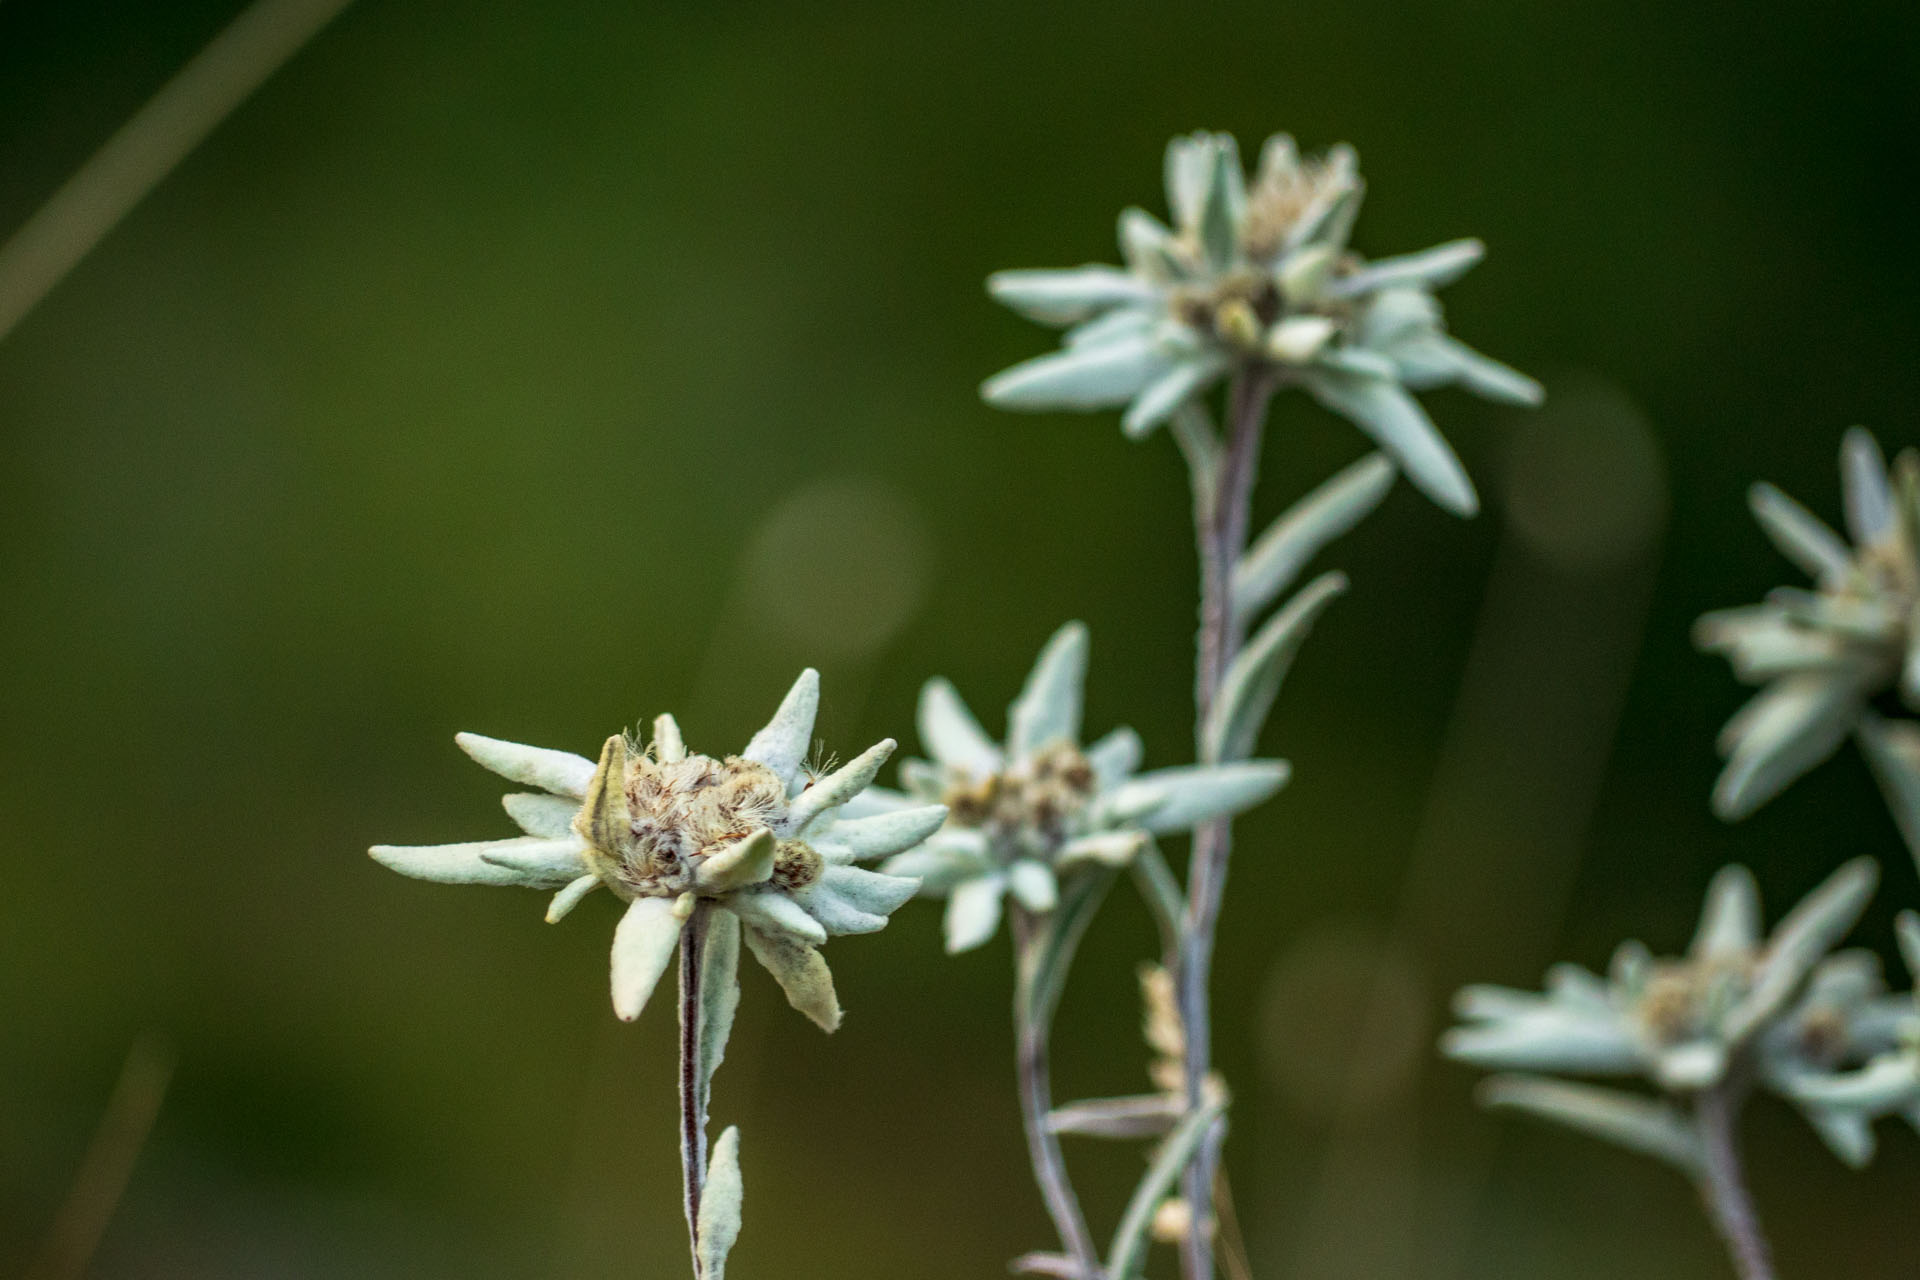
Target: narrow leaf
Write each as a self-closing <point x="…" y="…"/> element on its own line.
<point x="720" y="1205"/>
<point x="1254" y="677"/>
<point x="1383" y="409"/>
<point x="1628" y="1120"/>
<point x="1276" y="558"/>
<point x="1126" y="1256"/>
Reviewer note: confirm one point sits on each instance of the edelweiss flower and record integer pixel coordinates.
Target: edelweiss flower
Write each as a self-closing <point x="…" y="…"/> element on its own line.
<point x="1824" y="655"/>
<point x="1258" y="275"/>
<point x="752" y="834"/>
<point x="1021" y="816"/>
<point x="1781" y="1012"/>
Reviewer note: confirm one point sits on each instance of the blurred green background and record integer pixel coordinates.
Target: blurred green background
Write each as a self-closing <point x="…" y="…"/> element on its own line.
<point x="532" y="370"/>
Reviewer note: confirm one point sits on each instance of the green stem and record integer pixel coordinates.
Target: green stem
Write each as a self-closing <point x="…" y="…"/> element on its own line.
<point x="1221" y="517"/>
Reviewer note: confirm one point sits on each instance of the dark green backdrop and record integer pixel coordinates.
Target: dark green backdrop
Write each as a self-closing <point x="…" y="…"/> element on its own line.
<point x="532" y="369"/>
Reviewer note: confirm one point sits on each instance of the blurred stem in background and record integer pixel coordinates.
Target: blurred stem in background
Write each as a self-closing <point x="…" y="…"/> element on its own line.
<point x="1222" y="504"/>
<point x="147" y="147"/>
<point x="103" y="1175"/>
<point x="1722" y="1184"/>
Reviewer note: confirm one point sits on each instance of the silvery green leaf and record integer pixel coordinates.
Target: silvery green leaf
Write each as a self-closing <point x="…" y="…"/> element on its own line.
<point x="1107" y="848"/>
<point x="1906" y="932"/>
<point x="1786" y="729"/>
<point x="836" y="914"/>
<point x="1518" y="1032"/>
<point x="1032" y="884"/>
<point x="840" y="786"/>
<point x="1847" y="1134"/>
<point x="1393" y="316"/>
<point x="1302" y="274"/>
<point x="1042" y="974"/>
<point x="1397" y="423"/>
<point x="973" y="911"/>
<point x="1126" y="1255"/>
<point x="1189" y="168"/>
<point x="1087" y="376"/>
<point x="782" y="745"/>
<point x="1278" y="555"/>
<point x="938" y="867"/>
<point x="879" y="893"/>
<point x="800" y="971"/>
<point x="771" y="911"/>
<point x="1223" y="205"/>
<point x="1630" y="967"/>
<point x="1146" y="1115"/>
<point x="1762" y="644"/>
<point x="1182" y="798"/>
<point x="1148" y="246"/>
<point x="1892" y="748"/>
<point x="560" y="772"/>
<point x="1329" y="219"/>
<point x="1690" y="1067"/>
<point x="1578" y="988"/>
<point x="719" y="991"/>
<point x="1048" y="708"/>
<point x="1813" y="928"/>
<point x="643" y="942"/>
<point x="951" y="734"/>
<point x="1487" y="377"/>
<point x="668" y="746"/>
<point x="1160" y="398"/>
<point x="1629" y="1120"/>
<point x="467" y="863"/>
<point x="1428" y="269"/>
<point x="1863" y="477"/>
<point x="1298" y="339"/>
<point x="1884" y="1085"/>
<point x="547" y="862"/>
<point x="1067" y="296"/>
<point x="541" y="814"/>
<point x="1254" y="676"/>
<point x="1798" y="534"/>
<point x="1358" y="361"/>
<point x="570" y="897"/>
<point x="1114" y="757"/>
<point x="718" y="1225"/>
<point x="1058" y="1265"/>
<point x="875" y="801"/>
<point x="1124" y="323"/>
<point x="885" y="833"/>
<point x="1730" y="921"/>
<point x="746" y="861"/>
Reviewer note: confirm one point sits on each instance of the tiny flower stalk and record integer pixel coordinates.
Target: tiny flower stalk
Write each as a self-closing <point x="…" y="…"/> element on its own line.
<point x="1253" y="285"/>
<point x="705" y="853"/>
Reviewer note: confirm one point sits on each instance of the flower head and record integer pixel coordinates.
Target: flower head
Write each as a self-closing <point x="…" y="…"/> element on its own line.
<point x="1823" y="656"/>
<point x="1023" y="814"/>
<point x="1258" y="274"/>
<point x="667" y="831"/>
<point x="1780" y="1011"/>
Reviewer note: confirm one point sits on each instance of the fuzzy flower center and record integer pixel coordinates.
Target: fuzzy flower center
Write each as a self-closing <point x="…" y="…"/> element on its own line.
<point x="1685" y="1000"/>
<point x="680" y="813"/>
<point x="1030" y="808"/>
<point x="1280" y="197"/>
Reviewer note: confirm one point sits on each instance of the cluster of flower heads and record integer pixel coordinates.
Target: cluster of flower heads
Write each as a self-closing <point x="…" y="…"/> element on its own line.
<point x="754" y="835"/>
<point x="1785" y="1012"/>
<point x="1824" y="657"/>
<point x="1258" y="274"/>
<point x="1022" y="815"/>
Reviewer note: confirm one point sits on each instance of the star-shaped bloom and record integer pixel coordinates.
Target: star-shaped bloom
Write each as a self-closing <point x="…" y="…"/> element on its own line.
<point x="755" y="835"/>
<point x="1780" y="1010"/>
<point x="1023" y="814"/>
<point x="1258" y="274"/>
<point x="1823" y="656"/>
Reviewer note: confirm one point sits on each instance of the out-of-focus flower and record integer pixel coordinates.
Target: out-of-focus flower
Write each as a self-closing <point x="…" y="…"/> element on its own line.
<point x="1258" y="275"/>
<point x="1824" y="656"/>
<point x="1023" y="814"/>
<point x="754" y="835"/>
<point x="1780" y="1012"/>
